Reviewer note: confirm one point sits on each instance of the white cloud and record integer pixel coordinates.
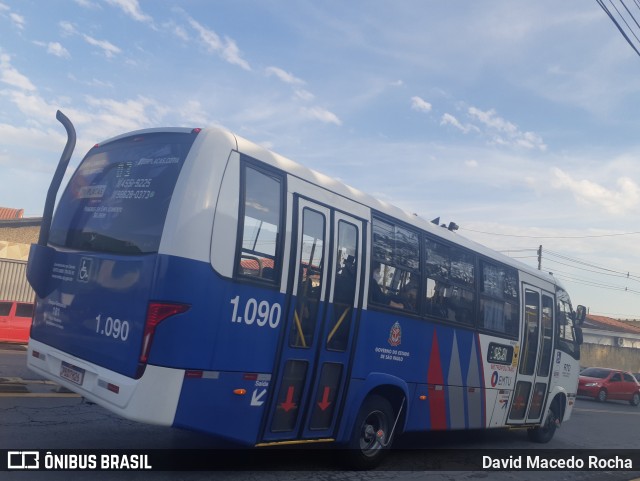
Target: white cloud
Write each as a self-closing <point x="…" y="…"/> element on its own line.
<point x="34" y="107"/>
<point x="126" y="115"/>
<point x="18" y="20"/>
<point x="448" y="119"/>
<point x="304" y="95"/>
<point x="209" y="37"/>
<point x="100" y="83"/>
<point x="286" y="77"/>
<point x="67" y="28"/>
<point x="323" y="115"/>
<point x="231" y="53"/>
<point x="192" y="113"/>
<point x="228" y="49"/>
<point x="177" y="30"/>
<point x="132" y="9"/>
<point x="87" y="4"/>
<point x="109" y="49"/>
<point x="10" y="76"/>
<point x="490" y="119"/>
<point x="55" y="48"/>
<point x="47" y="139"/>
<point x="420" y="104"/>
<point x="471" y="163"/>
<point x="505" y="132"/>
<point x="623" y="199"/>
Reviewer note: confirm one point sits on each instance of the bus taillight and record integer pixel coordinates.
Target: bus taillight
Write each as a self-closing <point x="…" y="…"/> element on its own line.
<point x="157" y="312"/>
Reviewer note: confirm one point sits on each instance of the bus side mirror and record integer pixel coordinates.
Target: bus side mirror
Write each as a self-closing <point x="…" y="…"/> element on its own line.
<point x="581" y="314"/>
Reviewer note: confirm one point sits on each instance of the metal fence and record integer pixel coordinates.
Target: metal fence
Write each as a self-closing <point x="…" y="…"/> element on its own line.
<point x="13" y="281"/>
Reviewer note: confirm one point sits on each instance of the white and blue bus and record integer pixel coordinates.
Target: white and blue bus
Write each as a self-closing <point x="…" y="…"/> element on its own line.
<point x="191" y="278"/>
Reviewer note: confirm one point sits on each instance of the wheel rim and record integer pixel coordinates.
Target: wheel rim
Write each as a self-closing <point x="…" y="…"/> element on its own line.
<point x="370" y="442"/>
<point x="636" y="399"/>
<point x="551" y="422"/>
<point x="602" y="395"/>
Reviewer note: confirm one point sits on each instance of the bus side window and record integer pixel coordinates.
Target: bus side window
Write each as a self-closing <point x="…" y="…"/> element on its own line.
<point x="395" y="269"/>
<point x="260" y="208"/>
<point x="450" y="283"/>
<point x="499" y="299"/>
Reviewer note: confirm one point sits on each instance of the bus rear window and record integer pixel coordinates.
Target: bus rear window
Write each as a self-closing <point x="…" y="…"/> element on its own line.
<point x="117" y="200"/>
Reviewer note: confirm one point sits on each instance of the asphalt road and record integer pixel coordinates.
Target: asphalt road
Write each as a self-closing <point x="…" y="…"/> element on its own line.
<point x="37" y="414"/>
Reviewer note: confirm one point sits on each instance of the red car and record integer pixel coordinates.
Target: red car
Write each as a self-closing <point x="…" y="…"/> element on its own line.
<point x="15" y="321"/>
<point x="603" y="383"/>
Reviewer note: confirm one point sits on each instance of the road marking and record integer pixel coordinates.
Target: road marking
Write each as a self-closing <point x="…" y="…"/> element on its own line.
<point x="605" y="411"/>
<point x="12" y="387"/>
<point x="14" y="352"/>
<point x="39" y="394"/>
<point x="19" y="380"/>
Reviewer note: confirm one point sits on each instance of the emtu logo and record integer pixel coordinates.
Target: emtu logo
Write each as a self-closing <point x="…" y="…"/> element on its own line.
<point x="23" y="460"/>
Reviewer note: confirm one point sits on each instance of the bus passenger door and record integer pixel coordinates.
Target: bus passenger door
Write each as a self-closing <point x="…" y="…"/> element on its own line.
<point x="534" y="366"/>
<point x="313" y="367"/>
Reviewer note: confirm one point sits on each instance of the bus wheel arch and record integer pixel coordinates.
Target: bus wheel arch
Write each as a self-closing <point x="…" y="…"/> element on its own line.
<point x="379" y="421"/>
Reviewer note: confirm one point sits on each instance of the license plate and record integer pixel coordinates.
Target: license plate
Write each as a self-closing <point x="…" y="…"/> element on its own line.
<point x="71" y="373"/>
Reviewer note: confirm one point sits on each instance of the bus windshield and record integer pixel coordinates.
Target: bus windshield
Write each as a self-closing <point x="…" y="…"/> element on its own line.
<point x="118" y="198"/>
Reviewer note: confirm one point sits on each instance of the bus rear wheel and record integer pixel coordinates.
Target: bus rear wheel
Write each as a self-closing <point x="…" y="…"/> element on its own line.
<point x="371" y="436"/>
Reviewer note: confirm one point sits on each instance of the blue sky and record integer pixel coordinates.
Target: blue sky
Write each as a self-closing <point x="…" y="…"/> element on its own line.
<point x="515" y="119"/>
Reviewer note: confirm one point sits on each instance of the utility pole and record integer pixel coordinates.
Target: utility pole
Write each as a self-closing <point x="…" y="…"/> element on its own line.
<point x="540" y="258"/>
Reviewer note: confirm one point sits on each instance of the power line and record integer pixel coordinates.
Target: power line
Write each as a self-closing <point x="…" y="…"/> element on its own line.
<point x="617" y="24"/>
<point x="598" y="285"/>
<point x="618" y="275"/>
<point x="582" y="265"/>
<point x="567" y="275"/>
<point x="549" y="236"/>
<point x="596" y="269"/>
<point x="595" y="266"/>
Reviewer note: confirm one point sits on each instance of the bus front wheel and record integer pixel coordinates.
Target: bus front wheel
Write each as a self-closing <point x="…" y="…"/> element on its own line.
<point x="371" y="436"/>
<point x="543" y="434"/>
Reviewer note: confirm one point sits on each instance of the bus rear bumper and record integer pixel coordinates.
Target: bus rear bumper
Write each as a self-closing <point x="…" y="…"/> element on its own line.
<point x="152" y="399"/>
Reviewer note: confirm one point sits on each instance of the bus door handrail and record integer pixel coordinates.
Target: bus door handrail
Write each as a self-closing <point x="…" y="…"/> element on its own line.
<point x="338" y="324"/>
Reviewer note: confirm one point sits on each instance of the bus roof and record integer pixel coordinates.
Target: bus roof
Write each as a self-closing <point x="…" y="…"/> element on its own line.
<point x="324" y="181"/>
<point x="344" y="190"/>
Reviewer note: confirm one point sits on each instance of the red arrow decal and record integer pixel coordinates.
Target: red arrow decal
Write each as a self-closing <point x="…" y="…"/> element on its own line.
<point x="324" y="404"/>
<point x="288" y="405"/>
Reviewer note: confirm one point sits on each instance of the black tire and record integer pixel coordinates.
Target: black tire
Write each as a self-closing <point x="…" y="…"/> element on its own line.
<point x="602" y="395"/>
<point x="544" y="434"/>
<point x="635" y="399"/>
<point x="370" y="440"/>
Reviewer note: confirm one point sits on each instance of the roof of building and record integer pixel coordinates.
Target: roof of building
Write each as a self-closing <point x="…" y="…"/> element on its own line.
<point x="608" y="324"/>
<point x="9" y="214"/>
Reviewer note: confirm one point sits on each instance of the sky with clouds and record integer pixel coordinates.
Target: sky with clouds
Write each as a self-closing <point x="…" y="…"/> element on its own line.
<point x="514" y="119"/>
